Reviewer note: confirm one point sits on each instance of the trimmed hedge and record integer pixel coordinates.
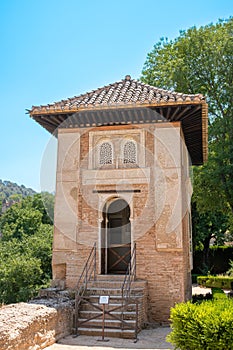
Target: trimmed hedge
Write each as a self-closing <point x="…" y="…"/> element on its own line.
<point x="218" y="293"/>
<point x="223" y="282"/>
<point x="207" y="325"/>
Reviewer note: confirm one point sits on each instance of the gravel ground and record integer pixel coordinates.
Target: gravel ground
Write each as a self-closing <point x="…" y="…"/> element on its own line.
<point x="147" y="339"/>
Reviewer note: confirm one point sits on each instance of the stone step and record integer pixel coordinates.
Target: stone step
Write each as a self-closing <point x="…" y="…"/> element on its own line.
<point x="127" y="315"/>
<point x="109" y="323"/>
<point x="113" y="302"/>
<point x="111" y="291"/>
<point x="105" y="284"/>
<point x="109" y="332"/>
<point x="94" y="298"/>
<point x="87" y="306"/>
<point x="115" y="284"/>
<point x="110" y="278"/>
<point x="111" y="286"/>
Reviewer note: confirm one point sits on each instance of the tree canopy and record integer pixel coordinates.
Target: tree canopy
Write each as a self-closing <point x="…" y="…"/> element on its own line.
<point x="25" y="249"/>
<point x="200" y="60"/>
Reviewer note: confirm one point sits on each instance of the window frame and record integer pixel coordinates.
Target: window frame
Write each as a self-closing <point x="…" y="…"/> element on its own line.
<point x="129" y="163"/>
<point x="100" y="144"/>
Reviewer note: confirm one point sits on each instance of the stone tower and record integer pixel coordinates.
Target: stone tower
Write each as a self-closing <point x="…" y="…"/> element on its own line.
<point x="123" y="177"/>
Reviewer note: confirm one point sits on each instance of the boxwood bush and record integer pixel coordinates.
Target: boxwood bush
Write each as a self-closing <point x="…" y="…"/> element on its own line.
<point x="218" y="293"/>
<point x="223" y="282"/>
<point x="207" y="325"/>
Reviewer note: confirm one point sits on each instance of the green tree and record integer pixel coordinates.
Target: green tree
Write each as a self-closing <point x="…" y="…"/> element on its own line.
<point x="44" y="203"/>
<point x="39" y="246"/>
<point x="48" y="207"/>
<point x="200" y="60"/>
<point x="18" y="221"/>
<point x="1" y="204"/>
<point x="20" y="276"/>
<point x="210" y="219"/>
<point x="25" y="217"/>
<point x="206" y="226"/>
<point x="25" y="250"/>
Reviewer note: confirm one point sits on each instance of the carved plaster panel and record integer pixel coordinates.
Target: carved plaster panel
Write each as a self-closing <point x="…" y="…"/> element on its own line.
<point x="116" y="139"/>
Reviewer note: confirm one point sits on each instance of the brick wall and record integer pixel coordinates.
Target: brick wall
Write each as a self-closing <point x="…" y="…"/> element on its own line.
<point x="159" y="223"/>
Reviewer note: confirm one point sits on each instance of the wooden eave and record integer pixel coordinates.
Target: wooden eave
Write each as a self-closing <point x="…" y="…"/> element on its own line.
<point x="193" y="116"/>
<point x="55" y="110"/>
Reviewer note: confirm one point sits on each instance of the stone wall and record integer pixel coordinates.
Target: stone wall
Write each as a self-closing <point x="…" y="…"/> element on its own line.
<point x="35" y="325"/>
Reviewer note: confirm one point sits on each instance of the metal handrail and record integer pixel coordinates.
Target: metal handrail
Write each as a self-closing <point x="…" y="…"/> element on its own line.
<point x="88" y="274"/>
<point x="130" y="275"/>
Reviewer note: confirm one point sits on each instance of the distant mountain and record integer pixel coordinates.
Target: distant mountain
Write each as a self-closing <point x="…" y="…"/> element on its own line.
<point x="11" y="192"/>
<point x="8" y="188"/>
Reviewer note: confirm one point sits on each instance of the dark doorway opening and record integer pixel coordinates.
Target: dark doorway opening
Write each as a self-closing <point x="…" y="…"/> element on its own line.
<point x="116" y="237"/>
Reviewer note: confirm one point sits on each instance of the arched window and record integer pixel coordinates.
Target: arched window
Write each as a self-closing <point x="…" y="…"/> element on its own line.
<point x="130" y="153"/>
<point x="105" y="153"/>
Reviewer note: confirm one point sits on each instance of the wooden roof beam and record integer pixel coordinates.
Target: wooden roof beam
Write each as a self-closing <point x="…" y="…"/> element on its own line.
<point x="161" y="112"/>
<point x="184" y="111"/>
<point x="49" y="120"/>
<point x="192" y="113"/>
<point x="177" y="109"/>
<point x="168" y="112"/>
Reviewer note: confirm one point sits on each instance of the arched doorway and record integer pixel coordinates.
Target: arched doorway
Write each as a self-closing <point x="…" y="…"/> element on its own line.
<point x="116" y="237"/>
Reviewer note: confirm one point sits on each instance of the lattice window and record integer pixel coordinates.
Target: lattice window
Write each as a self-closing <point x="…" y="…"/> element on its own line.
<point x="105" y="154"/>
<point x="130" y="153"/>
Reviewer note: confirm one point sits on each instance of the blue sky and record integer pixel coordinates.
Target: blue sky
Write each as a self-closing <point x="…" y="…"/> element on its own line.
<point x="54" y="49"/>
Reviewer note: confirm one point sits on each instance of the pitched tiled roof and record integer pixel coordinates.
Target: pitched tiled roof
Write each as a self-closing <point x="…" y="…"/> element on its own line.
<point x="125" y="92"/>
<point x="131" y="102"/>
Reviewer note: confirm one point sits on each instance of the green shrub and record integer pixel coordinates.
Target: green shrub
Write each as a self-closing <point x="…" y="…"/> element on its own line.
<point x="223" y="282"/>
<point x="207" y="325"/>
<point x="218" y="293"/>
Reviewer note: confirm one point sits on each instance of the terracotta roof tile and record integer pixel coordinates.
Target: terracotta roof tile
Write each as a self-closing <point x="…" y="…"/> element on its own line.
<point x="126" y="91"/>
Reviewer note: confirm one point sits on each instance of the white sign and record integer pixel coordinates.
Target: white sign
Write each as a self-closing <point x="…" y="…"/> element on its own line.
<point x="104" y="299"/>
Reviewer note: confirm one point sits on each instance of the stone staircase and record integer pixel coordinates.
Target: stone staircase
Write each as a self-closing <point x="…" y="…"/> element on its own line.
<point x="133" y="314"/>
